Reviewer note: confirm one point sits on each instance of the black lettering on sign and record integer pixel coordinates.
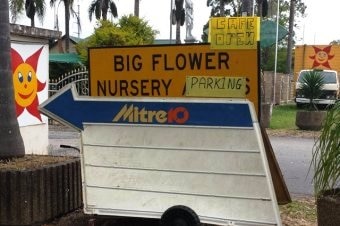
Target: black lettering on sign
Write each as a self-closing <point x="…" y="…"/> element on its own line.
<point x="181" y="61"/>
<point x="215" y="83"/>
<point x="134" y="87"/>
<point x="144" y="87"/>
<point x="127" y="63"/>
<point x="123" y="88"/>
<point x="247" y="86"/>
<point x="236" y="23"/>
<point x="234" y="83"/>
<point x="192" y="61"/>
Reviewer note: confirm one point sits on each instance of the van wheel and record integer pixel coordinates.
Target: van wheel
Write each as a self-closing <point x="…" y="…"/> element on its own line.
<point x="180" y="216"/>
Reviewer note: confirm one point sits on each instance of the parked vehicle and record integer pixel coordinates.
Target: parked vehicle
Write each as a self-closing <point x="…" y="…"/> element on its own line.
<point x="330" y="89"/>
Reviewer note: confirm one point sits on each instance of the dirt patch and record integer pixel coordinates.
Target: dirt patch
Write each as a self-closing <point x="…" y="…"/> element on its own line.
<point x="300" y="212"/>
<point x="293" y="133"/>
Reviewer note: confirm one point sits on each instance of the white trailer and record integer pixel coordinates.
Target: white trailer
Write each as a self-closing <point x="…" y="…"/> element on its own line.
<point x="216" y="173"/>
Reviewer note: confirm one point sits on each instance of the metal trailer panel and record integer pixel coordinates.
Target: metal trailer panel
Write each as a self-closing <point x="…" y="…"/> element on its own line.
<point x="191" y="160"/>
<point x="142" y="170"/>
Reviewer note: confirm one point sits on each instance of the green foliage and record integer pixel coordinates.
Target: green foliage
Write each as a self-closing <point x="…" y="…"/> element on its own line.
<point x="140" y="32"/>
<point x="58" y="69"/>
<point x="283" y="117"/>
<point x="268" y="59"/>
<point x="335" y="42"/>
<point x="311" y="88"/>
<point x="326" y="153"/>
<point x="130" y="30"/>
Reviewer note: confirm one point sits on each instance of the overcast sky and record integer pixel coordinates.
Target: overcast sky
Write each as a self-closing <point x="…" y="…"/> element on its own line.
<point x="319" y="27"/>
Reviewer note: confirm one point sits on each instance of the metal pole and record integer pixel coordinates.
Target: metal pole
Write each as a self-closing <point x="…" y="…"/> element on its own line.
<point x="253" y="8"/>
<point x="276" y="47"/>
<point x="171" y="2"/>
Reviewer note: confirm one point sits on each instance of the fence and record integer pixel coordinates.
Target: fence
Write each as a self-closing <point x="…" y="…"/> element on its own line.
<point x="79" y="77"/>
<point x="283" y="88"/>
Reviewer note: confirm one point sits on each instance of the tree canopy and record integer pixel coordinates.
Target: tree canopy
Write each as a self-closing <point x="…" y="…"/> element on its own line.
<point x="130" y="30"/>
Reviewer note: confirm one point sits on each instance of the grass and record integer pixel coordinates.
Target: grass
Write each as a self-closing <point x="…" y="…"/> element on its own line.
<point x="283" y="117"/>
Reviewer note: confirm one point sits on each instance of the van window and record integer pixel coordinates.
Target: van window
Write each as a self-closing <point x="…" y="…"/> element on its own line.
<point x="328" y="76"/>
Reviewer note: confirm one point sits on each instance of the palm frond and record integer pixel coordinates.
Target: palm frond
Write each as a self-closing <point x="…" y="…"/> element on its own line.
<point x="16" y="7"/>
<point x="113" y="9"/>
<point x="311" y="87"/>
<point x="40" y="8"/>
<point x="326" y="153"/>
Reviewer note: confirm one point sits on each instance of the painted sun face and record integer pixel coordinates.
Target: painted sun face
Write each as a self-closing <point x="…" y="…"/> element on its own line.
<point x="322" y="57"/>
<point x="26" y="85"/>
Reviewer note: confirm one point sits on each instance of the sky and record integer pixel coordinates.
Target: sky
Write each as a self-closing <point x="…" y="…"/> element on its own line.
<point x="156" y="12"/>
<point x="318" y="27"/>
<point x="321" y="25"/>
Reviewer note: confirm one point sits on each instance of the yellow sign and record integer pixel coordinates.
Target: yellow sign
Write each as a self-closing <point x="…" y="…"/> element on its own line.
<point x="161" y="70"/>
<point x="234" y="32"/>
<point x="215" y="86"/>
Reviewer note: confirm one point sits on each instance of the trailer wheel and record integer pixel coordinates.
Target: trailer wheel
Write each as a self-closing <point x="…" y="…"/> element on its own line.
<point x="180" y="216"/>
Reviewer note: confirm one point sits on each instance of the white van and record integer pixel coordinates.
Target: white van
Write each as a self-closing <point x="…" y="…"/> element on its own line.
<point x="330" y="89"/>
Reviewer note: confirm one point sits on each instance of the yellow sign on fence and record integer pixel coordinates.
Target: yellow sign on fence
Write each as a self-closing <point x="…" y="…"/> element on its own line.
<point x="234" y="32"/>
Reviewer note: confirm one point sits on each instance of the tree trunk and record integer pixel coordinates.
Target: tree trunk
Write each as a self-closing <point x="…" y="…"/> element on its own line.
<point x="290" y="37"/>
<point x="32" y="22"/>
<point x="259" y="7"/>
<point x="67" y="25"/>
<point x="30" y="11"/>
<point x="247" y="7"/>
<point x="11" y="143"/>
<point x="137" y="8"/>
<point x="222" y="13"/>
<point x="178" y="32"/>
<point x="104" y="7"/>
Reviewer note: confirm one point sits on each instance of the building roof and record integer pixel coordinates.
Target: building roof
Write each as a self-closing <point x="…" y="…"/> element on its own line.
<point x="71" y="58"/>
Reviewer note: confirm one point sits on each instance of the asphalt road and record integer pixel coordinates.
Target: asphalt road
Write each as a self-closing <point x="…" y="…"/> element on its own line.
<point x="293" y="154"/>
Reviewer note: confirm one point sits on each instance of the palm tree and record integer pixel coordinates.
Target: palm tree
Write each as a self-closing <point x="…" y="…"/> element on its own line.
<point x="11" y="143"/>
<point x="68" y="4"/>
<point x="100" y="9"/>
<point x="31" y="7"/>
<point x="311" y="87"/>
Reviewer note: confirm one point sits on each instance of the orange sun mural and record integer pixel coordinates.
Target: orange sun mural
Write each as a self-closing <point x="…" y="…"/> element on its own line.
<point x="322" y="56"/>
<point x="26" y="83"/>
